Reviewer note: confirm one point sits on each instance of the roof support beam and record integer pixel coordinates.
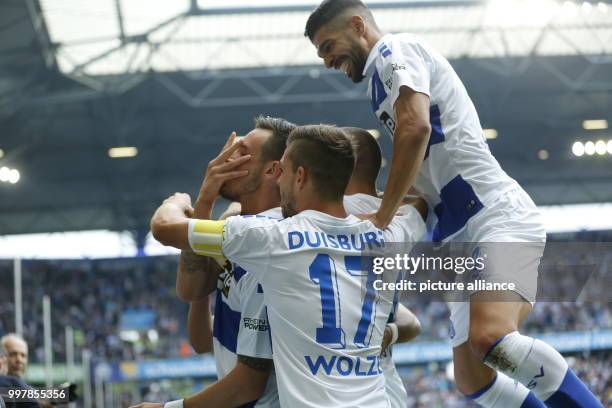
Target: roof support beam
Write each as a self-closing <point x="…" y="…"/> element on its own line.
<point x="120" y="20"/>
<point x="42" y="34"/>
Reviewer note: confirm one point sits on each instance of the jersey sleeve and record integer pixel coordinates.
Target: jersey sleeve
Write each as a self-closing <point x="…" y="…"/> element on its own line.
<point x="407" y="65"/>
<point x="244" y="240"/>
<point x="254" y="332"/>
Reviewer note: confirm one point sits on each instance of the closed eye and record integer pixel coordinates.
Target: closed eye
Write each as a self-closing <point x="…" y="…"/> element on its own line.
<point x="325" y="48"/>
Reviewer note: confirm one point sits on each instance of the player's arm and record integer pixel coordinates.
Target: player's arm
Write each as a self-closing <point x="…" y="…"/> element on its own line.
<point x="171" y="226"/>
<point x="407" y="327"/>
<point x="409" y="145"/>
<point x="199" y="326"/>
<point x="245" y="383"/>
<point x="197" y="275"/>
<point x="170" y="222"/>
<point x="418" y="203"/>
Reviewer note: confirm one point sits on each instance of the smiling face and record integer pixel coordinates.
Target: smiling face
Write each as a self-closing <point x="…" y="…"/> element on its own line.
<point x="343" y="47"/>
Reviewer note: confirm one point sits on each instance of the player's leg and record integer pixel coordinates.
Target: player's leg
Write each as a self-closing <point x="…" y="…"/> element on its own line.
<point x="494" y="338"/>
<point x="487" y="387"/>
<point x="477" y="381"/>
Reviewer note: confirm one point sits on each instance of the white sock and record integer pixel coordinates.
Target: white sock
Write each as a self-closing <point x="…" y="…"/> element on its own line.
<point x="504" y="392"/>
<point x="531" y="362"/>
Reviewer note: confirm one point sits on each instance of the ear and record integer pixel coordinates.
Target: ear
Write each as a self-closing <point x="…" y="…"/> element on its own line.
<point x="273" y="169"/>
<point x="358" y="24"/>
<point x="300" y="177"/>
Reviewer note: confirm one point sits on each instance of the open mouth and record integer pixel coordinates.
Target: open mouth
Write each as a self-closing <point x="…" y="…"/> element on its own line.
<point x="343" y="64"/>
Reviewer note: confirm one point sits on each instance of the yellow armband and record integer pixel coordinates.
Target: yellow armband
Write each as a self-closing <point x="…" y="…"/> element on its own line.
<point x="206" y="237"/>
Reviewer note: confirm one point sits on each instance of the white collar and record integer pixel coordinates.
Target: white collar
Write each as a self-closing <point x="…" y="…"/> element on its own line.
<point x="372" y="56"/>
<point x="330" y="219"/>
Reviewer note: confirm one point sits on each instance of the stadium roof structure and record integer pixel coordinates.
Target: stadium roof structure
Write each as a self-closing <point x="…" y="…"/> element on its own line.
<point x="102" y="37"/>
<point x="173" y="78"/>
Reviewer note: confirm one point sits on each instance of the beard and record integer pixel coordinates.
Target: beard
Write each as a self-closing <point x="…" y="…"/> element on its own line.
<point x="288" y="205"/>
<point x="233" y="189"/>
<point x="358" y="58"/>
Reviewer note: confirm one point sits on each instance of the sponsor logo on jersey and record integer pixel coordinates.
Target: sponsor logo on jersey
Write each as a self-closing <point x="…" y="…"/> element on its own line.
<point x="387" y="121"/>
<point x="255" y="324"/>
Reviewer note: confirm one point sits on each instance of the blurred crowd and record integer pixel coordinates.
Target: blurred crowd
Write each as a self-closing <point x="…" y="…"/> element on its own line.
<point x="90" y="296"/>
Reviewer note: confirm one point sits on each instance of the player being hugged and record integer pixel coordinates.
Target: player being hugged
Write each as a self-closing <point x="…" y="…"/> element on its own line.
<point x="326" y="329"/>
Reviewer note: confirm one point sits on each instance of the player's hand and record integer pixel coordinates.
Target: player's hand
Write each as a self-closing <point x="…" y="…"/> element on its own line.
<point x="221" y="169"/>
<point x="148" y="405"/>
<point x="182" y="201"/>
<point x="387" y="336"/>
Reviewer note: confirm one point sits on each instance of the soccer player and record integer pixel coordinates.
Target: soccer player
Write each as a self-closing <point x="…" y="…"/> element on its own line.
<point x="439" y="147"/>
<point x="403" y="325"/>
<point x="240" y="336"/>
<point x="361" y="197"/>
<point x="326" y="334"/>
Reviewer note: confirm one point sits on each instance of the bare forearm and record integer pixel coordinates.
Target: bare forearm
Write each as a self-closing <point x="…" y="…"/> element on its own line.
<point x="408" y="325"/>
<point x="408" y="152"/>
<point x="169" y="226"/>
<point x="240" y="386"/>
<point x="203" y="208"/>
<point x="197" y="276"/>
<point x="199" y="328"/>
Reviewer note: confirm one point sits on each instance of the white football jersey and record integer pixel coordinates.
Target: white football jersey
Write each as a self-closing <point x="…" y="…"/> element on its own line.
<point x="459" y="176"/>
<point x="365" y="204"/>
<point x="326" y="327"/>
<point x="240" y="325"/>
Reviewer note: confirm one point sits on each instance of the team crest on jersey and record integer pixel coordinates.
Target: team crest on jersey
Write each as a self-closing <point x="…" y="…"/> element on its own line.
<point x="225" y="278"/>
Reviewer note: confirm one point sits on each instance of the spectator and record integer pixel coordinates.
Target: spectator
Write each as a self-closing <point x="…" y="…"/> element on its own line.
<point x="8" y="381"/>
<point x="17" y="354"/>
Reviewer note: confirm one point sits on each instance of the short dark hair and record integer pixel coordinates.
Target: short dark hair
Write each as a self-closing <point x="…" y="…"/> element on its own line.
<point x="368" y="157"/>
<point x="274" y="147"/>
<point x="327" y="155"/>
<point x="328" y="10"/>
